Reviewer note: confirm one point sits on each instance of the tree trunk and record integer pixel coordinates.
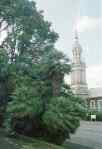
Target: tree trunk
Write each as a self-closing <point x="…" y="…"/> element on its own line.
<point x="56" y="84"/>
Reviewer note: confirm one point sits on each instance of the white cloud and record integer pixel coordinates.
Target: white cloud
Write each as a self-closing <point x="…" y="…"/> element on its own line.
<point x="94" y="76"/>
<point x="86" y="23"/>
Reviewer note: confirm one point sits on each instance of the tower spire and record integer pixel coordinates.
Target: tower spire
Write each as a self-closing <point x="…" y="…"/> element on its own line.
<point x="77" y="49"/>
<point x="76" y="34"/>
<point x="78" y="74"/>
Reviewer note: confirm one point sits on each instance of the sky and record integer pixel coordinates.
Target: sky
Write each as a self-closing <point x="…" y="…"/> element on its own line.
<point x="86" y="17"/>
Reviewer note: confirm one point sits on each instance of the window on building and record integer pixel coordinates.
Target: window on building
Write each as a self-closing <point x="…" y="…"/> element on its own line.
<point x="100" y="105"/>
<point x="92" y="105"/>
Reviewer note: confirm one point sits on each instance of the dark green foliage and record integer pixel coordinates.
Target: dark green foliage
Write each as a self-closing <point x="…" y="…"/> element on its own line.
<point x="32" y="75"/>
<point x="30" y="113"/>
<point x="22" y="142"/>
<point x="4" y="72"/>
<point x="26" y="94"/>
<point x="25" y="26"/>
<point x="4" y="65"/>
<point x="61" y="118"/>
<point x="99" y="116"/>
<point x="55" y="65"/>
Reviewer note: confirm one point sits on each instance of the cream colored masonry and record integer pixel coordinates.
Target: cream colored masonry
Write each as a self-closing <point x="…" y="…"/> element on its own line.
<point x="78" y="73"/>
<point x="93" y="97"/>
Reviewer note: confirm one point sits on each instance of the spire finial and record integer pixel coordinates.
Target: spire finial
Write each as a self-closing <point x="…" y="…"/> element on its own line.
<point x="76" y="35"/>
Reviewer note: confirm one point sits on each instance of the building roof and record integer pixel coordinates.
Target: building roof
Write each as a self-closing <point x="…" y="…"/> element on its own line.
<point x="95" y="92"/>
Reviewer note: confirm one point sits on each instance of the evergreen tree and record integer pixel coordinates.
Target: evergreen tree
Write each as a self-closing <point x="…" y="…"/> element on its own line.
<point x="39" y="103"/>
<point x="25" y="28"/>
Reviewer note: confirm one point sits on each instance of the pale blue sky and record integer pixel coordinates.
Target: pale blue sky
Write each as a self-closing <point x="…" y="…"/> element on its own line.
<point x="88" y="13"/>
<point x="90" y="7"/>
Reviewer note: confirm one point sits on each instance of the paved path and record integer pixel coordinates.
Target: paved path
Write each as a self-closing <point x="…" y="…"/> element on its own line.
<point x="89" y="134"/>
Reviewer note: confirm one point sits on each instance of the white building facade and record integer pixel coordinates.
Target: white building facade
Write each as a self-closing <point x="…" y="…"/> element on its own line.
<point x="95" y="99"/>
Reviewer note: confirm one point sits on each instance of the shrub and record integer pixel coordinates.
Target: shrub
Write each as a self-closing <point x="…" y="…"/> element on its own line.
<point x="61" y="118"/>
<point x="99" y="116"/>
<point x="28" y="113"/>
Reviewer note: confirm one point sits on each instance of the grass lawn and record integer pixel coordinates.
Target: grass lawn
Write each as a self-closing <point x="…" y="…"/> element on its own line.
<point x="29" y="143"/>
<point x="24" y="143"/>
<point x="70" y="145"/>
